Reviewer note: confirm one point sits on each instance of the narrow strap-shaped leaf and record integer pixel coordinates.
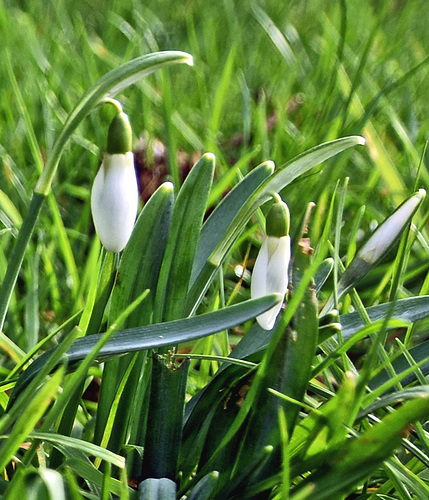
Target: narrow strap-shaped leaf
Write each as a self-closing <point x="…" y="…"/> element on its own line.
<point x="395" y="398"/>
<point x="29" y="417"/>
<point x="304" y="162"/>
<point x="86" y="470"/>
<point x="60" y="441"/>
<point x="339" y="349"/>
<point x="37" y="483"/>
<point x="409" y="309"/>
<point x="142" y="257"/>
<point x="401" y="365"/>
<point x="138" y="271"/>
<point x="155" y="336"/>
<point x="182" y="242"/>
<point x="14" y="265"/>
<point x="17" y="406"/>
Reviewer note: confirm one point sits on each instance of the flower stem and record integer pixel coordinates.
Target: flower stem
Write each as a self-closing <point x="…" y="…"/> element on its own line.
<point x="102" y="91"/>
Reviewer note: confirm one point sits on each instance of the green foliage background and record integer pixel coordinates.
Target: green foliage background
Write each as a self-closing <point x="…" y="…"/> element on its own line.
<point x="270" y="80"/>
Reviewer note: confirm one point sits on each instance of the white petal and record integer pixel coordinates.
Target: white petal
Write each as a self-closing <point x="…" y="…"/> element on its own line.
<point x="384" y="236"/>
<point x="270" y="275"/>
<point x="114" y="201"/>
<point x="258" y="284"/>
<point x="278" y="264"/>
<point x="267" y="319"/>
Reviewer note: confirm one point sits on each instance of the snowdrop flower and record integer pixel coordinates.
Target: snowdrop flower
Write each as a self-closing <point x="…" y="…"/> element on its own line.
<point x="377" y="246"/>
<point x="270" y="272"/>
<point x="114" y="195"/>
<point x="389" y="231"/>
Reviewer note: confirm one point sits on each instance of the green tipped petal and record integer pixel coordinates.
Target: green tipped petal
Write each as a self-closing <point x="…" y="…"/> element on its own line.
<point x="277" y="222"/>
<point x="119" y="136"/>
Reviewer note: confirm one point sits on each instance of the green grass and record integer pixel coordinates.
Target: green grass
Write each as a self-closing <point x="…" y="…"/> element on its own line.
<point x="271" y="80"/>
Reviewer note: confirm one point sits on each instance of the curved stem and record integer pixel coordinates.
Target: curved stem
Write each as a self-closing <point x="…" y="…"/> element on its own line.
<point x="102" y="91"/>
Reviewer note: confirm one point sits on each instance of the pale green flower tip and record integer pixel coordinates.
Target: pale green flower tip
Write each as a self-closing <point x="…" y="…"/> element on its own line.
<point x="167" y="186"/>
<point x="329" y="261"/>
<point x="333" y="316"/>
<point x="421" y="193"/>
<point x="361" y="140"/>
<point x="210" y="157"/>
<point x="270" y="164"/>
<point x="278" y="220"/>
<point x="267" y="165"/>
<point x="119" y="136"/>
<point x="189" y="60"/>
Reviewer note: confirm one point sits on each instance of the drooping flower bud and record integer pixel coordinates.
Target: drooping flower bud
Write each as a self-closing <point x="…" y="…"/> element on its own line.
<point x="270" y="272"/>
<point x="389" y="231"/>
<point x="114" y="195"/>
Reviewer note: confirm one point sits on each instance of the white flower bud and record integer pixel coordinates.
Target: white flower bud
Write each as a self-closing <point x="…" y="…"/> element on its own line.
<point x="114" y="200"/>
<point x="386" y="234"/>
<point x="270" y="275"/>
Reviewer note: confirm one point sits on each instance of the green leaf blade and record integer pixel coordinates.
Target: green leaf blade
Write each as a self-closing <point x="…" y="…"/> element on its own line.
<point x="156" y="336"/>
<point x="183" y="239"/>
<point x="142" y="257"/>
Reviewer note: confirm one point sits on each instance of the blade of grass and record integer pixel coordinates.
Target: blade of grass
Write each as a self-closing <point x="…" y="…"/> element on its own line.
<point x="182" y="241"/>
<point x="29" y="417"/>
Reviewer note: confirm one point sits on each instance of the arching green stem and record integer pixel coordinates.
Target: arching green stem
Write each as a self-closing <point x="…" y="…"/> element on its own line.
<point x="102" y="91"/>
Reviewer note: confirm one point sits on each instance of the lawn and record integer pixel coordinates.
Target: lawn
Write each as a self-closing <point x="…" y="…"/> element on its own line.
<point x="151" y="371"/>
